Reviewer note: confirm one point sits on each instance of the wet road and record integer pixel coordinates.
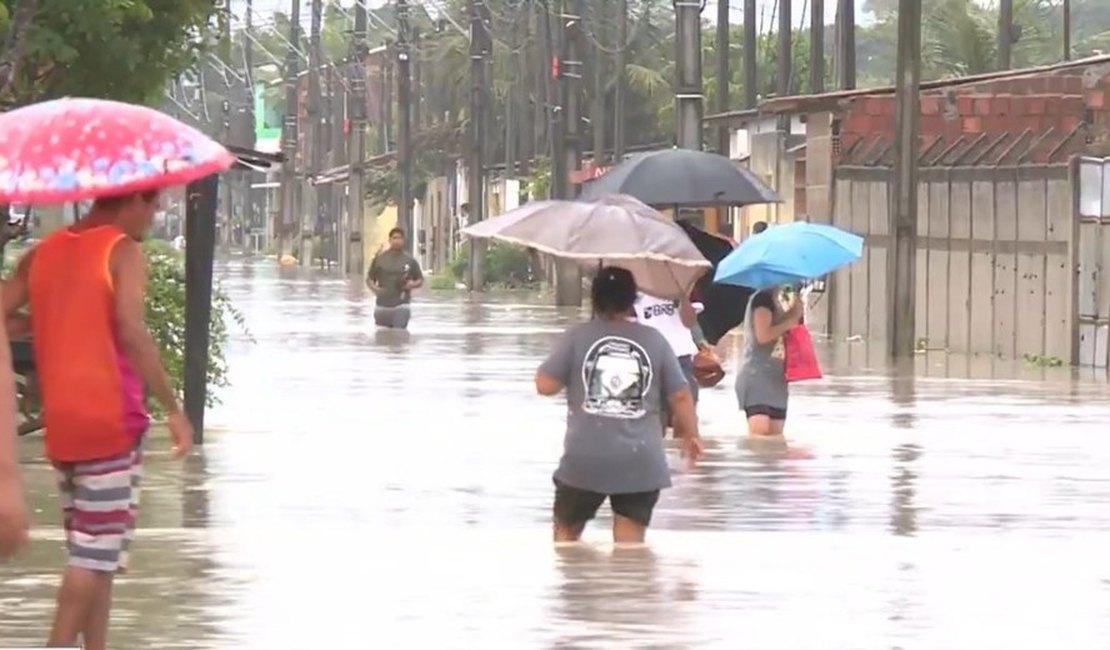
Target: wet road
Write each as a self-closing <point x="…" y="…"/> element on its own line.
<point x="363" y="489"/>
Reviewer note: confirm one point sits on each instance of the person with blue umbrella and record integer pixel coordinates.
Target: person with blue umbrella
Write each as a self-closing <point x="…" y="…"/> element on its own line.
<point x="775" y="262"/>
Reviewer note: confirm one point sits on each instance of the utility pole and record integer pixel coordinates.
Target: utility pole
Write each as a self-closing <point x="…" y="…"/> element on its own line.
<point x="724" y="139"/>
<point x="480" y="45"/>
<point x="356" y="144"/>
<point x="903" y="263"/>
<point x="817" y="46"/>
<point x="619" y="130"/>
<point x="326" y="218"/>
<point x="252" y="119"/>
<point x="751" y="63"/>
<point x="311" y="213"/>
<point x="337" y="155"/>
<point x="688" y="95"/>
<point x="1067" y="30"/>
<point x="290" y="207"/>
<point x="568" y="127"/>
<point x="1005" y="34"/>
<point x="846" y="44"/>
<point x="404" y="120"/>
<point x="226" y="187"/>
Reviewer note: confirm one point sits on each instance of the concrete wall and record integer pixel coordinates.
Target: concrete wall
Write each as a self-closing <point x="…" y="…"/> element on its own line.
<point x="994" y="249"/>
<point x="437" y="224"/>
<point x="1092" y="258"/>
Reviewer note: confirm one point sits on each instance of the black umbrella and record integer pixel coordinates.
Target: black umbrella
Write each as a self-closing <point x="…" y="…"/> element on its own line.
<point x="683" y="178"/>
<point x="725" y="304"/>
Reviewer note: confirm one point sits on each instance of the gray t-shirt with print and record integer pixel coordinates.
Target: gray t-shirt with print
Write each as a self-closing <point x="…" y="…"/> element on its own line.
<point x="618" y="375"/>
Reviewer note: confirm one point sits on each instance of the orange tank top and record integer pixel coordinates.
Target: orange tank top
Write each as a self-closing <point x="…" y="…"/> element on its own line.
<point x="91" y="396"/>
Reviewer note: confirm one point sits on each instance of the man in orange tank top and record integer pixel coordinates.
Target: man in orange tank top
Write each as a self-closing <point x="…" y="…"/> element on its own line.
<point x="86" y="287"/>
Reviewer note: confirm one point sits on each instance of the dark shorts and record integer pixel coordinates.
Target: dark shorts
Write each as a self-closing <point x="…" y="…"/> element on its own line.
<point x="574" y="506"/>
<point x="392" y="317"/>
<point x="762" y="409"/>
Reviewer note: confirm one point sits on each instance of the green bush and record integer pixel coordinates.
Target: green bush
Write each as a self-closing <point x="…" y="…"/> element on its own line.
<point x="165" y="316"/>
<point x="506" y="266"/>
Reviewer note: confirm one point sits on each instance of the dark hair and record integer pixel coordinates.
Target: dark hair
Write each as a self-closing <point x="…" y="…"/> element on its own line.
<point x="117" y="201"/>
<point x="396" y="231"/>
<point x="613" y="291"/>
<point x="758" y="227"/>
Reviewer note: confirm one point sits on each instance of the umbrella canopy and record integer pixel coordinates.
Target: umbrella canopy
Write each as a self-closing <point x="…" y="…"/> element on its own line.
<point x="76" y="149"/>
<point x="725" y="304"/>
<point x="787" y="254"/>
<point x="681" y="177"/>
<point x="618" y="231"/>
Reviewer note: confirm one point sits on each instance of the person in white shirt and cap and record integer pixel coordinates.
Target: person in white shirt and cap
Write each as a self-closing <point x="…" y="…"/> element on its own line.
<point x="674" y="319"/>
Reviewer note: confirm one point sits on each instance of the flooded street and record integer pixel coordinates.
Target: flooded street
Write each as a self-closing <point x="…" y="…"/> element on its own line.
<point x="366" y="489"/>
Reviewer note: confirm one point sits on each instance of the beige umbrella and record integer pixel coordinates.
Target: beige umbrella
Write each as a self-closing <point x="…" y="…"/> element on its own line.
<point x="617" y="230"/>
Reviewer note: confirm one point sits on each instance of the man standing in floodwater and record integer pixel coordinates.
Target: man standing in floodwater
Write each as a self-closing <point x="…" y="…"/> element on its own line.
<point x="86" y="286"/>
<point x="392" y="277"/>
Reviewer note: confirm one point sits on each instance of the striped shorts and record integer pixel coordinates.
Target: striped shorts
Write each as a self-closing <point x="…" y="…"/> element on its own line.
<point x="100" y="500"/>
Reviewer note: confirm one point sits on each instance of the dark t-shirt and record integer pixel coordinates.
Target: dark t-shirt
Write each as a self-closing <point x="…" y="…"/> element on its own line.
<point x="618" y="376"/>
<point x="763" y="299"/>
<point x="390" y="270"/>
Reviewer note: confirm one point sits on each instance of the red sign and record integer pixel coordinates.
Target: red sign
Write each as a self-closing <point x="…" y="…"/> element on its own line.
<point x="588" y="173"/>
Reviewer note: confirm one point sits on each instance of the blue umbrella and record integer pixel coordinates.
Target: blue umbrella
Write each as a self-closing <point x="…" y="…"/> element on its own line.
<point x="789" y="254"/>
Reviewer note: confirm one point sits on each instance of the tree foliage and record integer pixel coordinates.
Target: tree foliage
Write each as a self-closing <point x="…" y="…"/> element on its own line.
<point x="118" y="49"/>
<point x="165" y="316"/>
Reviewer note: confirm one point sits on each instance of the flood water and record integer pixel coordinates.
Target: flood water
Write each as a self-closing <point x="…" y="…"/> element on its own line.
<point x="378" y="490"/>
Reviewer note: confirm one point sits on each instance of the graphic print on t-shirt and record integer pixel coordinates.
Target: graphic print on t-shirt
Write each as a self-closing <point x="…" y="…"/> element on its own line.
<point x="616" y="374"/>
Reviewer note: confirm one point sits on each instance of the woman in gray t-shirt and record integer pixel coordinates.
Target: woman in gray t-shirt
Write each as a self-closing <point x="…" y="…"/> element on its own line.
<point x="761" y="388"/>
<point x="617" y="374"/>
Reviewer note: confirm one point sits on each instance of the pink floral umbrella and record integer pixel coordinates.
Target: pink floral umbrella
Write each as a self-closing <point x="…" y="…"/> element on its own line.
<point x="75" y="149"/>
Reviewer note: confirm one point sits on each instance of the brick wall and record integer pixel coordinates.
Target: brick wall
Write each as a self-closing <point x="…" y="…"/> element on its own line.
<point x="1052" y="105"/>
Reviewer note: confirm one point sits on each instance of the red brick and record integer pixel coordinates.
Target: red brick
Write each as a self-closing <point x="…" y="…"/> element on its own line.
<point x="1000" y="105"/>
<point x="1035" y="105"/>
<point x="932" y="124"/>
<point x="1068" y="123"/>
<point x="1072" y="104"/>
<point x="855" y="123"/>
<point x="930" y="105"/>
<point x="982" y="106"/>
<point x="1019" y="105"/>
<point x="973" y="125"/>
<point x="965" y="105"/>
<point x="1096" y="99"/>
<point x="1073" y="85"/>
<point x="874" y="106"/>
<point x="1029" y="85"/>
<point x="1032" y="123"/>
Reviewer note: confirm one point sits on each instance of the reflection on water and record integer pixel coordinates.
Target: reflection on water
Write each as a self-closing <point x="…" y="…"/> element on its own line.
<point x="392" y="489"/>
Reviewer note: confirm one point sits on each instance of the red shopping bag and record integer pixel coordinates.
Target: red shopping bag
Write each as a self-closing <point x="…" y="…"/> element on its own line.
<point x="800" y="358"/>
